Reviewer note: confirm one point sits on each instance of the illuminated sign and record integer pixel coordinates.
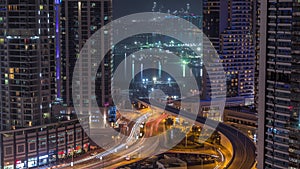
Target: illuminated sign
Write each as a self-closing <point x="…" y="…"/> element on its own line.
<point x="9" y="167"/>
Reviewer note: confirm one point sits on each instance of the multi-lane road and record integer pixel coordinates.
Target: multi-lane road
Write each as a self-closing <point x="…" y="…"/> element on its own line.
<point x="133" y="146"/>
<point x="243" y="148"/>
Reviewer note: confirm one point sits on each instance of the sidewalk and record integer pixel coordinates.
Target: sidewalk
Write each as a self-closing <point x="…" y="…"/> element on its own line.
<point x="69" y="160"/>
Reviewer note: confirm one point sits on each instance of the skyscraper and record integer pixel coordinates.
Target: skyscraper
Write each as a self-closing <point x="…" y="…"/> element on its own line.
<point x="229" y="26"/>
<point x="256" y="30"/>
<point x="27" y="62"/>
<point x="80" y="19"/>
<point x="237" y="49"/>
<point x="215" y="14"/>
<point x="279" y="142"/>
<point x="294" y="139"/>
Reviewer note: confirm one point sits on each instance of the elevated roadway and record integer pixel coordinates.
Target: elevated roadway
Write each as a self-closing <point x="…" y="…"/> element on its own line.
<point x="243" y="156"/>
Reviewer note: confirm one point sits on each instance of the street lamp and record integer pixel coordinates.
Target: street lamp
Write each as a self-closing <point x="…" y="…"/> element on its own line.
<point x="154" y="79"/>
<point x="72" y="163"/>
<point x="101" y="161"/>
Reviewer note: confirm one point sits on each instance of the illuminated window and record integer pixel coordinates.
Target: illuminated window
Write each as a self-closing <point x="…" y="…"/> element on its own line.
<point x="12" y="7"/>
<point x="11" y="76"/>
<point x="11" y="70"/>
<point x="41" y="7"/>
<point x="1" y="40"/>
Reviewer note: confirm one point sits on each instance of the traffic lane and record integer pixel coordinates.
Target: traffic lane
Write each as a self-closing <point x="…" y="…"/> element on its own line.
<point x="245" y="153"/>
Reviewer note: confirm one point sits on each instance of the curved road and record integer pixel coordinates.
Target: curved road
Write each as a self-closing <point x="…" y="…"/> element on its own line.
<point x="243" y="147"/>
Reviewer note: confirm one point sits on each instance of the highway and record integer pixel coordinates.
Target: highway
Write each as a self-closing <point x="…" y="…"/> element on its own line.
<point x="132" y="146"/>
<point x="243" y="148"/>
<point x="243" y="154"/>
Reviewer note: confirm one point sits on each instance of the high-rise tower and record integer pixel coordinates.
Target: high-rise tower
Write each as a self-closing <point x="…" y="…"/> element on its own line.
<point x="215" y="14"/>
<point x="279" y="101"/>
<point x="229" y="26"/>
<point x="27" y="62"/>
<point x="80" y="19"/>
<point x="237" y="49"/>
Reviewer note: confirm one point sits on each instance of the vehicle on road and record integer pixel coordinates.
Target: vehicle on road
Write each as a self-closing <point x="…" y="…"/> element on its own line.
<point x="128" y="158"/>
<point x="94" y="153"/>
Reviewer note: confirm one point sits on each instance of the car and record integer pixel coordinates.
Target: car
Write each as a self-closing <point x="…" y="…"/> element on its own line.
<point x="94" y="153"/>
<point x="128" y="158"/>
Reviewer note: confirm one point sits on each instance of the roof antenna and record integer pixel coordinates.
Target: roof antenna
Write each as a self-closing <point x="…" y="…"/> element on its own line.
<point x="154" y="6"/>
<point x="188" y="7"/>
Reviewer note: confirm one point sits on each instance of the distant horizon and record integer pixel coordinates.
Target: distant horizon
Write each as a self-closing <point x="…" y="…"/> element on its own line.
<point x="127" y="7"/>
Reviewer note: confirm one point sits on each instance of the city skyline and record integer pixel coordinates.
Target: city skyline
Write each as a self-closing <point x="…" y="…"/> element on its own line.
<point x="149" y="84"/>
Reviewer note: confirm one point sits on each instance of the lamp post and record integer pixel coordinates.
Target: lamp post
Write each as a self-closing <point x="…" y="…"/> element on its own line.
<point x="72" y="162"/>
<point x="154" y="80"/>
<point x="101" y="159"/>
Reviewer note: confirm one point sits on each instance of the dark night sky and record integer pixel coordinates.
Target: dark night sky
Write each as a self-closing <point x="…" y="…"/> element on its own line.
<point x="126" y="7"/>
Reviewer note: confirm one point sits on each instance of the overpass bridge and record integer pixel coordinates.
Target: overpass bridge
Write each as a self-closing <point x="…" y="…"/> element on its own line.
<point x="243" y="155"/>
